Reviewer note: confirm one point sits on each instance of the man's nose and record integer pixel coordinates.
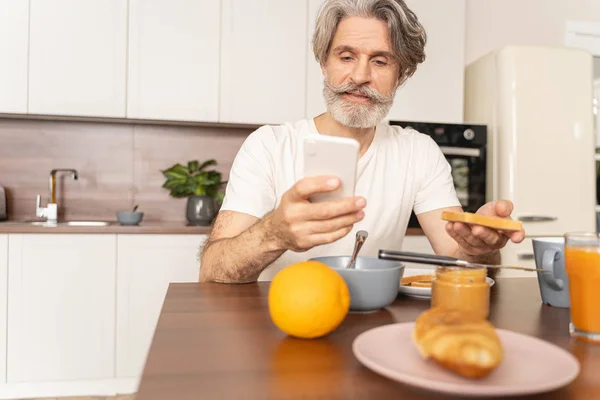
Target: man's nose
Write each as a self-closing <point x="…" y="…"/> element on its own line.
<point x="361" y="73"/>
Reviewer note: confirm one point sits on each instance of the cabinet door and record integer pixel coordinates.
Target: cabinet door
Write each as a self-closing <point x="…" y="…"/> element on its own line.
<point x="518" y="254"/>
<point x="61" y="307"/>
<point x="315" y="103"/>
<point x="417" y="244"/>
<point x="173" y="60"/>
<point x="435" y="92"/>
<point x="263" y="61"/>
<point x="3" y="302"/>
<point x="14" y="37"/>
<point x="145" y="267"/>
<point x="77" y="62"/>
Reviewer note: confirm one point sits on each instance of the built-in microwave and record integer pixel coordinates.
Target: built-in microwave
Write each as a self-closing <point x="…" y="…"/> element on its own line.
<point x="465" y="148"/>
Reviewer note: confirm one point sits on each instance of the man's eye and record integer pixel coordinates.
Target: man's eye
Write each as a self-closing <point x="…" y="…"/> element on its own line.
<point x="380" y="63"/>
<point x="346" y="58"/>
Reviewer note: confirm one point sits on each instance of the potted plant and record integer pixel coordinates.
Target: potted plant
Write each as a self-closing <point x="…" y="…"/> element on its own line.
<point x="200" y="186"/>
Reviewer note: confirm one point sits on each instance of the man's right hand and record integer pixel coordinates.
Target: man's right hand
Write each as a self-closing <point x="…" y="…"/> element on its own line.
<point x="299" y="225"/>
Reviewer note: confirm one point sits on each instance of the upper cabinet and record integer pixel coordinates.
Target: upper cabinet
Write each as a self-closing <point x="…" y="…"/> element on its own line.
<point x="14" y="35"/>
<point x="174" y="60"/>
<point x="263" y="61"/>
<point x="77" y="53"/>
<point x="435" y="92"/>
<point x="228" y="61"/>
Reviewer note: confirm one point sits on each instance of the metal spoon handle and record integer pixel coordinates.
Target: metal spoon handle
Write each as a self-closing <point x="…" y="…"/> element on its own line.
<point x="361" y="236"/>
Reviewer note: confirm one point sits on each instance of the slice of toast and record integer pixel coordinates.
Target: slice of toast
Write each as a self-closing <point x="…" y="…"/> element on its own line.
<point x="490" y="222"/>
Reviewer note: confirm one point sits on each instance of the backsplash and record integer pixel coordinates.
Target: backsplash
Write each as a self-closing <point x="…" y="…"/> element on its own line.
<point x="118" y="163"/>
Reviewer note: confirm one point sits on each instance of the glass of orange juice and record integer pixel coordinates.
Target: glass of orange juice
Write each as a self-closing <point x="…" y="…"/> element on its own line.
<point x="582" y="262"/>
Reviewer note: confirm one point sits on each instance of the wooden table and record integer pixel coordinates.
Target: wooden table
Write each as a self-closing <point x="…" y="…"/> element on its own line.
<point x="217" y="342"/>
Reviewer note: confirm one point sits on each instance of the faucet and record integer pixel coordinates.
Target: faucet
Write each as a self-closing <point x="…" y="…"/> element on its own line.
<point x="50" y="212"/>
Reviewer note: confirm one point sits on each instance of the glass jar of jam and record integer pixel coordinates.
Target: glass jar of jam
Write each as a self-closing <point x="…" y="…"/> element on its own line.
<point x="463" y="289"/>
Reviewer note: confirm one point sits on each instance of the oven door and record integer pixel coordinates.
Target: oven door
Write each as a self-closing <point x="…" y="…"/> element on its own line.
<point x="469" y="173"/>
<point x="468" y="166"/>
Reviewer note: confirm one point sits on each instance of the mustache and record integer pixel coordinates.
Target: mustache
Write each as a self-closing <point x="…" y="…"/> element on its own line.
<point x="370" y="93"/>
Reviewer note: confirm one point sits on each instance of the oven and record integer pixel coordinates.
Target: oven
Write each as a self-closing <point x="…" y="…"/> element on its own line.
<point x="464" y="146"/>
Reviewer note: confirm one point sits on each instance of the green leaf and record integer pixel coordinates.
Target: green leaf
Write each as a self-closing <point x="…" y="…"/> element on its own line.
<point x="172" y="183"/>
<point x="176" y="171"/>
<point x="172" y="176"/>
<point x="180" y="191"/>
<point x="207" y="163"/>
<point x="193" y="166"/>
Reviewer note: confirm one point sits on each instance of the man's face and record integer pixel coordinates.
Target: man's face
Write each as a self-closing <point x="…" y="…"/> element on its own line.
<point x="361" y="73"/>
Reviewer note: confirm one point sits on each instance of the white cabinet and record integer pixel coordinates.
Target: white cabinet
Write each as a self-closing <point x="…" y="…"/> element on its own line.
<point x="435" y="92"/>
<point x="14" y="35"/>
<point x="417" y="244"/>
<point x="77" y="57"/>
<point x="597" y="106"/>
<point x="173" y="60"/>
<point x="61" y="307"/>
<point x="518" y="254"/>
<point x="146" y="266"/>
<point x="3" y="303"/>
<point x="263" y="61"/>
<point x="315" y="103"/>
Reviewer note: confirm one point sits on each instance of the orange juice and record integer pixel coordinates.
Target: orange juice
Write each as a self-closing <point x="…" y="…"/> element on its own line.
<point x="583" y="269"/>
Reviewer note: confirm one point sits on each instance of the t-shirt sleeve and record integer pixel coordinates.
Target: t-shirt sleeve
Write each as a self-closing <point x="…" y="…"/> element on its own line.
<point x="436" y="186"/>
<point x="250" y="187"/>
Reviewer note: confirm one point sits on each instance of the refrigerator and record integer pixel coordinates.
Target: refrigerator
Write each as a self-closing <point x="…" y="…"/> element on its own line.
<point x="537" y="102"/>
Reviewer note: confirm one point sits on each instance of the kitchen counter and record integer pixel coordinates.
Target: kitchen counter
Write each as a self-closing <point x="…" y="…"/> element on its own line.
<point x="217" y="341"/>
<point x="113" y="227"/>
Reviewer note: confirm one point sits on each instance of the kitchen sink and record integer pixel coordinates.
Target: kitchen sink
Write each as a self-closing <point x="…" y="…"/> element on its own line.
<point x="85" y="223"/>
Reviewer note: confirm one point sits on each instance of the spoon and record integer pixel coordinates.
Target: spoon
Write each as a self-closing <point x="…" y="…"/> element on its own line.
<point x="135" y="208"/>
<point x="361" y="236"/>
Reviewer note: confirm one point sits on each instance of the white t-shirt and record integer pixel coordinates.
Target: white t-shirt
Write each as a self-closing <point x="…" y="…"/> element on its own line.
<point x="402" y="170"/>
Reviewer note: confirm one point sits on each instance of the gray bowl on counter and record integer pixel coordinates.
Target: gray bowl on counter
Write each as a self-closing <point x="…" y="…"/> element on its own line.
<point x="373" y="283"/>
<point x="129" y="217"/>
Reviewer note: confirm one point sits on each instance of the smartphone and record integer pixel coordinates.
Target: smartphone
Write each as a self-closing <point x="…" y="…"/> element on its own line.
<point x="331" y="156"/>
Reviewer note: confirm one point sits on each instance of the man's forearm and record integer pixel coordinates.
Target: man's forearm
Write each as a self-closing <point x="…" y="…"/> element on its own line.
<point x="242" y="258"/>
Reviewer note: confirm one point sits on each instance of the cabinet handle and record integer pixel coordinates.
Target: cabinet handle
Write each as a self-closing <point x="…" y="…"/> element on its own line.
<point x="537" y="218"/>
<point x="526" y="256"/>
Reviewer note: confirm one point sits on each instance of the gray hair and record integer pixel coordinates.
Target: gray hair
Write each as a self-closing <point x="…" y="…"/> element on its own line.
<point x="407" y="35"/>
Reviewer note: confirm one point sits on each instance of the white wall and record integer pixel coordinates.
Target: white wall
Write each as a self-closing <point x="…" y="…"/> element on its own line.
<point x="494" y="23"/>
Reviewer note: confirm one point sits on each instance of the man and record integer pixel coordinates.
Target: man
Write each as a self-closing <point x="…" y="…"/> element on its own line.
<point x="367" y="49"/>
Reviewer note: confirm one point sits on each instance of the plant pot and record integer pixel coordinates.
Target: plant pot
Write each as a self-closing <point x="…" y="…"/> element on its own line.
<point x="201" y="210"/>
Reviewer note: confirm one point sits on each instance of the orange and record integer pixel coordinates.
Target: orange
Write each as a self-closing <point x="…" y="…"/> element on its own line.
<point x="308" y="300"/>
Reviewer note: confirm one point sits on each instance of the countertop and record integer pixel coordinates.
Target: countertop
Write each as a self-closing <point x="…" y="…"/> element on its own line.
<point x="216" y="341"/>
<point x="114" y="227"/>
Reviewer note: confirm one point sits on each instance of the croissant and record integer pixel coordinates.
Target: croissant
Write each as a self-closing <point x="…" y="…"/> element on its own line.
<point x="458" y="341"/>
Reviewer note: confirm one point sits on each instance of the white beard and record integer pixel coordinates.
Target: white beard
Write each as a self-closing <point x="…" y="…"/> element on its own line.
<point x="356" y="115"/>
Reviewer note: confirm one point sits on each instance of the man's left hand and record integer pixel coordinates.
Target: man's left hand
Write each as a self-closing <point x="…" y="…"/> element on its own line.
<point x="478" y="240"/>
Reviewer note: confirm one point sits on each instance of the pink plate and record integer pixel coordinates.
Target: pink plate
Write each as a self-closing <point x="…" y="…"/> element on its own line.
<point x="530" y="365"/>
